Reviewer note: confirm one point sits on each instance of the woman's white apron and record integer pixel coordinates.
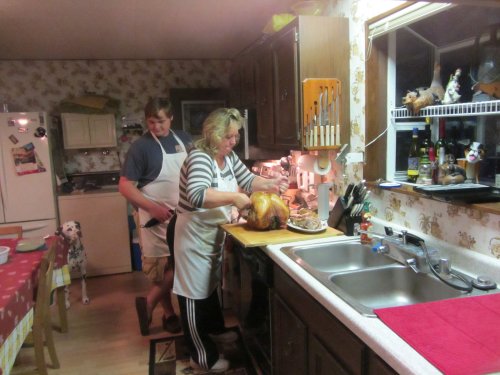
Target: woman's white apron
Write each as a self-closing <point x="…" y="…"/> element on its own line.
<point x="198" y="245"/>
<point x="164" y="189"/>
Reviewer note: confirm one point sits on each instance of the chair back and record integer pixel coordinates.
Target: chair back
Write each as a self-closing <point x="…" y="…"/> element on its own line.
<point x="45" y="283"/>
<point x="12" y="230"/>
<point x="42" y="323"/>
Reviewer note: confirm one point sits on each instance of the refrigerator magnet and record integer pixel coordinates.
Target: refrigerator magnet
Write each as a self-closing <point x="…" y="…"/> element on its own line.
<point x="13" y="139"/>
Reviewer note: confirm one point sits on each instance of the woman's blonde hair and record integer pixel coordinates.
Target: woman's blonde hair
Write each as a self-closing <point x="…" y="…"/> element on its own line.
<point x="216" y="126"/>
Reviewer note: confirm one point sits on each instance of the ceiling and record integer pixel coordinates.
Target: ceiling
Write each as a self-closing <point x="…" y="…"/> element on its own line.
<point x="132" y="29"/>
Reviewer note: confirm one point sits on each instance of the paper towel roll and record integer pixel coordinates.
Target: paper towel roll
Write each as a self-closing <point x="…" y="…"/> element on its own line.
<point x="309" y="163"/>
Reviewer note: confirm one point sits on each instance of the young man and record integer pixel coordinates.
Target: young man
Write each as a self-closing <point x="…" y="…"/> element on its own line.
<point x="150" y="182"/>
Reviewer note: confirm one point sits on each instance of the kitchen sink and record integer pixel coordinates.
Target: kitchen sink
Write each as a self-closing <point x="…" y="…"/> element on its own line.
<point x="395" y="285"/>
<point x="367" y="280"/>
<point x="337" y="256"/>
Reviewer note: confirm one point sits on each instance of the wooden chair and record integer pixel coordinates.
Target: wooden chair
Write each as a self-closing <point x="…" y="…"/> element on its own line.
<point x="12" y="229"/>
<point x="41" y="334"/>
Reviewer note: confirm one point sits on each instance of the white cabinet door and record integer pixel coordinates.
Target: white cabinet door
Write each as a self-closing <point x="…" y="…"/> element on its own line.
<point x="88" y="131"/>
<point x="102" y="130"/>
<point x="104" y="221"/>
<point x="76" y="132"/>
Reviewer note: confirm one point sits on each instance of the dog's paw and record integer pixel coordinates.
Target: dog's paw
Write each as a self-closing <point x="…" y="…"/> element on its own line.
<point x="86" y="300"/>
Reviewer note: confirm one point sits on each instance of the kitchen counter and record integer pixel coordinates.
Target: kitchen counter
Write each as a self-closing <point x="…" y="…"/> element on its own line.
<point x="103" y="217"/>
<point x="379" y="337"/>
<point x="103" y="190"/>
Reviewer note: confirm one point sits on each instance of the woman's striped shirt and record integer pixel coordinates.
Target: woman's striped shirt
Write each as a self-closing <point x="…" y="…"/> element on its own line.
<point x="198" y="173"/>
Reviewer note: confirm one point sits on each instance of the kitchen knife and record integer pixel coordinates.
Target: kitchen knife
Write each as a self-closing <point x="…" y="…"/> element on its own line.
<point x="337" y="127"/>
<point x="320" y="120"/>
<point x="315" y="135"/>
<point x="348" y="191"/>
<point x="334" y="114"/>
<point x="326" y="122"/>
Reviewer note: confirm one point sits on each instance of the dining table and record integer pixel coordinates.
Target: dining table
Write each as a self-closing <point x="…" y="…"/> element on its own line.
<point x="18" y="281"/>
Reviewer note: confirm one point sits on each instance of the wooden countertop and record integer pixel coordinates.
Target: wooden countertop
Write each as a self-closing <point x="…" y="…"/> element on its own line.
<point x="255" y="238"/>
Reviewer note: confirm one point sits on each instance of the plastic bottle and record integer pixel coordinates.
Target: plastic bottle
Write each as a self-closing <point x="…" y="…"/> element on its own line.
<point x="413" y="157"/>
<point x="366" y="224"/>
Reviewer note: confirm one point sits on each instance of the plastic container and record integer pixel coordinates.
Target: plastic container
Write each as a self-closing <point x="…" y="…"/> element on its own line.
<point x="4" y="254"/>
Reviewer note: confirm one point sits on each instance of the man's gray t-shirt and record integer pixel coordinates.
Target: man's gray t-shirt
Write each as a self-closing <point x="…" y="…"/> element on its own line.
<point x="144" y="158"/>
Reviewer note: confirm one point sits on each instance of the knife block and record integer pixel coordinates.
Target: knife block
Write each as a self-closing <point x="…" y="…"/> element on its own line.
<point x="340" y="218"/>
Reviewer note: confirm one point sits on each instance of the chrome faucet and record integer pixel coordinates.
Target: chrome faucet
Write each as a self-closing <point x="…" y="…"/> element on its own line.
<point x="397" y="247"/>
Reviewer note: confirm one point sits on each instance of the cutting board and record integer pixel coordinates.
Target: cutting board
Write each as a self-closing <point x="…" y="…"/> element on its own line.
<point x="253" y="238"/>
<point x="459" y="336"/>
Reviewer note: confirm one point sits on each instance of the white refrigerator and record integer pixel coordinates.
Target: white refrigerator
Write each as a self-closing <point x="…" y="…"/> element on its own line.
<point x="27" y="194"/>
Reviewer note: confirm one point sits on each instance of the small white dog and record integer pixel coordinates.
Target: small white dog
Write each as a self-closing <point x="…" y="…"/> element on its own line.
<point x="77" y="257"/>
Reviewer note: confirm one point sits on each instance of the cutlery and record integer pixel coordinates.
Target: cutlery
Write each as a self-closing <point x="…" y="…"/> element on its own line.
<point x="320" y="122"/>
<point x="326" y="120"/>
<point x="337" y="128"/>
<point x="315" y="121"/>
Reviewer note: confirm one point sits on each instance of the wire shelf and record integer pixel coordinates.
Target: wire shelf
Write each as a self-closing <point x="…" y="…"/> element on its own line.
<point x="491" y="107"/>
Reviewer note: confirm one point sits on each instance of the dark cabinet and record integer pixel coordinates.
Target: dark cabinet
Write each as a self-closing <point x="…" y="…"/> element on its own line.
<point x="308" y="47"/>
<point x="289" y="340"/>
<point x="321" y="361"/>
<point x="325" y="345"/>
<point x="264" y="98"/>
<point x="377" y="366"/>
<point x="286" y="119"/>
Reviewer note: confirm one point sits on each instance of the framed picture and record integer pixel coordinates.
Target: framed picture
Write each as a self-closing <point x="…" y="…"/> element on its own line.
<point x="194" y="112"/>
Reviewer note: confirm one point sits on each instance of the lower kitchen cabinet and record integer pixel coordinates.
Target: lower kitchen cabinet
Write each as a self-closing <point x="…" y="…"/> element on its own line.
<point x="104" y="223"/>
<point x="308" y="339"/>
<point x="289" y="340"/>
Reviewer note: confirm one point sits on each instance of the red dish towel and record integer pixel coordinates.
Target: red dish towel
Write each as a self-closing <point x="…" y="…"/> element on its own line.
<point x="459" y="336"/>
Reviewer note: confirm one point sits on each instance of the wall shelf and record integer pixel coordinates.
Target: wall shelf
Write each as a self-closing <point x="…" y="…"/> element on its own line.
<point x="491" y="107"/>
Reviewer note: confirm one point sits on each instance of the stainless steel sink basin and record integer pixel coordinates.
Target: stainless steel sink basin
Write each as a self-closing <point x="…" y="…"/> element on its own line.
<point x="367" y="280"/>
<point x="337" y="256"/>
<point x="396" y="285"/>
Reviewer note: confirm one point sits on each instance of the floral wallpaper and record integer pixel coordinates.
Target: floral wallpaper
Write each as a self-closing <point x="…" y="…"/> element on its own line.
<point x="470" y="229"/>
<point x="461" y="226"/>
<point x="44" y="85"/>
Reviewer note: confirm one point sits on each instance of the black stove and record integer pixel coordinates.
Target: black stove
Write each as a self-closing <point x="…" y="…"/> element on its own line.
<point x="93" y="180"/>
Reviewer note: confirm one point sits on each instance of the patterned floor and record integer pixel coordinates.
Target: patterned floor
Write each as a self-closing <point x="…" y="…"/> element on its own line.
<point x="169" y="356"/>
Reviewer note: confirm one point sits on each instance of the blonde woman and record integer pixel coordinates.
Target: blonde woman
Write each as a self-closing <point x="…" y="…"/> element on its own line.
<point x="210" y="178"/>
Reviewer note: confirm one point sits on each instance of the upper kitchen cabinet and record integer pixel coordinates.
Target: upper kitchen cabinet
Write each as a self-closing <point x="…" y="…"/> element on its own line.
<point x="402" y="49"/>
<point x="88" y="131"/>
<point x="308" y="47"/>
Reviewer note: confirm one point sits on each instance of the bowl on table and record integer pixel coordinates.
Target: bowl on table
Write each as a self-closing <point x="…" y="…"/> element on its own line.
<point x="4" y="254"/>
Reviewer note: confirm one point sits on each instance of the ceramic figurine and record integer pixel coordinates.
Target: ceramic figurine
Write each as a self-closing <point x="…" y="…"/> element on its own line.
<point x="424" y="96"/>
<point x="451" y="94"/>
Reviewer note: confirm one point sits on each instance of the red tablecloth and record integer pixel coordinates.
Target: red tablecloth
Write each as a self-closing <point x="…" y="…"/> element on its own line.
<point x="17" y="281"/>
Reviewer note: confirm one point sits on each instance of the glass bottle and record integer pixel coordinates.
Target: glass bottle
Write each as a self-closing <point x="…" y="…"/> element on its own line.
<point x="434" y="166"/>
<point x="441" y="148"/>
<point x="413" y="157"/>
<point x="426" y="142"/>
